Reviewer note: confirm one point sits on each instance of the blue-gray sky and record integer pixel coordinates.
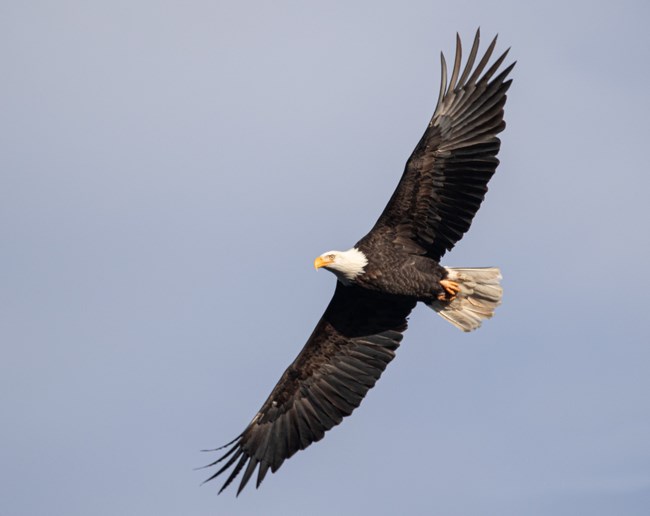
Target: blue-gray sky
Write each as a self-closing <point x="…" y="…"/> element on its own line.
<point x="168" y="172"/>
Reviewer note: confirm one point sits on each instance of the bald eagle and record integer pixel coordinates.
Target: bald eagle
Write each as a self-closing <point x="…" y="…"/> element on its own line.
<point x="391" y="269"/>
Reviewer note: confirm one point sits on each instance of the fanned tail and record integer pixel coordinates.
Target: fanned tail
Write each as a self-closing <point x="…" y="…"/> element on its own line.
<point x="479" y="295"/>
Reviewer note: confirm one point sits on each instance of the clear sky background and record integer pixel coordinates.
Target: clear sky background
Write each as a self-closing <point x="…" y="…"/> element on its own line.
<point x="168" y="172"/>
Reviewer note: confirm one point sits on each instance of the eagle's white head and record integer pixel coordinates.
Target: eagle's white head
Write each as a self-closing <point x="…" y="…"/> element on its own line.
<point x="347" y="265"/>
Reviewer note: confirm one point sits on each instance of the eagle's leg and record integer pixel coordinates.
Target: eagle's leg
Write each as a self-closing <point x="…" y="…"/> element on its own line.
<point x="451" y="289"/>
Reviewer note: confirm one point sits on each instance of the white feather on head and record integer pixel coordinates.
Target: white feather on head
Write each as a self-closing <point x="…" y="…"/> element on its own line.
<point x="346" y="265"/>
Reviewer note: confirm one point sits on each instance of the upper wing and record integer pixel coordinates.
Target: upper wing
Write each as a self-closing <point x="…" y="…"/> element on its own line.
<point x="344" y="357"/>
<point x="446" y="177"/>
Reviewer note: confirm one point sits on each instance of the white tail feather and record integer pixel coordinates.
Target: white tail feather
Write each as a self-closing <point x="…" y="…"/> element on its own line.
<point x="480" y="294"/>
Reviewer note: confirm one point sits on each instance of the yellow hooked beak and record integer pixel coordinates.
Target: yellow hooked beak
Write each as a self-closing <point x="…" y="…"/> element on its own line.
<point x="322" y="261"/>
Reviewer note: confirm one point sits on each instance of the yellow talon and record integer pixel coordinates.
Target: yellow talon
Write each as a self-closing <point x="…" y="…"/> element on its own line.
<point x="451" y="289"/>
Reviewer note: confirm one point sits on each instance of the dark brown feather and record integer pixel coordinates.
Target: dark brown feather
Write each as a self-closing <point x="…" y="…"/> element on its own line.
<point x="445" y="179"/>
<point x="347" y="352"/>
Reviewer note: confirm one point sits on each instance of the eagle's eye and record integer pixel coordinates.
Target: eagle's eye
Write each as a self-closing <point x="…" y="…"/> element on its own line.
<point x="331" y="257"/>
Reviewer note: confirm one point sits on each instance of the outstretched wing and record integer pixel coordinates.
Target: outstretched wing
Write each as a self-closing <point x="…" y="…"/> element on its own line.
<point x="446" y="177"/>
<point x="344" y="357"/>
